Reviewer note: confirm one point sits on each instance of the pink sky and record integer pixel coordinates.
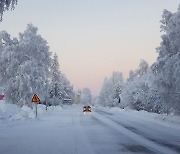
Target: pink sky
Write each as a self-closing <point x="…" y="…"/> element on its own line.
<point x="93" y="38"/>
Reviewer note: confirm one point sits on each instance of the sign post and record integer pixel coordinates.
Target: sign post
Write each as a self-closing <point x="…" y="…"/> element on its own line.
<point x="35" y="99"/>
<point x="36" y="109"/>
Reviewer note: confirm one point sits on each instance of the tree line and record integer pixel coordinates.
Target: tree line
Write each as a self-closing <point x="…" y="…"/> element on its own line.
<point x="27" y="66"/>
<point x="154" y="88"/>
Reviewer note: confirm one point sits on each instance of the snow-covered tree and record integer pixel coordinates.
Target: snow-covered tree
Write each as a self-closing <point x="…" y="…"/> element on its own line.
<point x="155" y="88"/>
<point x="138" y="92"/>
<point x="6" y="5"/>
<point x="111" y="90"/>
<point x="68" y="92"/>
<point x="8" y="57"/>
<point x="132" y="75"/>
<point x="86" y="97"/>
<point x="167" y="67"/>
<point x="104" y="93"/>
<point x="56" y="89"/>
<point x="9" y="63"/>
<point x="134" y="87"/>
<point x="25" y="65"/>
<point x="143" y="67"/>
<point x="60" y="87"/>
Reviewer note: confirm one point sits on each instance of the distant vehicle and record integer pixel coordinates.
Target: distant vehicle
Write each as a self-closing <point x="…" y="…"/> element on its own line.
<point x="86" y="109"/>
<point x="1" y="97"/>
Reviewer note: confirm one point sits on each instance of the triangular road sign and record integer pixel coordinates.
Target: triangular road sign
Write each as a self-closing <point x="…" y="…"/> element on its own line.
<point x="35" y="98"/>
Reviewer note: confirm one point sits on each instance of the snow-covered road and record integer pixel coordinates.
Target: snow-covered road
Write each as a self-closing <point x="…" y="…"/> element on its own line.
<point x="70" y="131"/>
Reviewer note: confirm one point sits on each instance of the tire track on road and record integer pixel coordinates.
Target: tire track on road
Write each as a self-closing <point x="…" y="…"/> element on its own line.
<point x="132" y="133"/>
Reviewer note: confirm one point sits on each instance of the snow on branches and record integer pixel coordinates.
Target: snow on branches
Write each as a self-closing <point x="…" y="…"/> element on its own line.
<point x="6" y="5"/>
<point x="26" y="67"/>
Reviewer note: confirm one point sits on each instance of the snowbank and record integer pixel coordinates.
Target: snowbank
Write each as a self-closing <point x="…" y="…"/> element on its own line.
<point x="12" y="112"/>
<point x="163" y="119"/>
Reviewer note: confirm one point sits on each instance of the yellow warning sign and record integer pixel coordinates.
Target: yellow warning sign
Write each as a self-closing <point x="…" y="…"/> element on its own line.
<point x="35" y="98"/>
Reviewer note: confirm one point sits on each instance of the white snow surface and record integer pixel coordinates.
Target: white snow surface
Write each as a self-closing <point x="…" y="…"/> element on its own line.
<point x="12" y="112"/>
<point x="163" y="119"/>
<point x="68" y="130"/>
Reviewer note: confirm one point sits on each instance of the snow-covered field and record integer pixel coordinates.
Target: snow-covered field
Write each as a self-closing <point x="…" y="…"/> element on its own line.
<point x="68" y="130"/>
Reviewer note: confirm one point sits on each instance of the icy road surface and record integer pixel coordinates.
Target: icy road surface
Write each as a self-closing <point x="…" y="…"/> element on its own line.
<point x="70" y="131"/>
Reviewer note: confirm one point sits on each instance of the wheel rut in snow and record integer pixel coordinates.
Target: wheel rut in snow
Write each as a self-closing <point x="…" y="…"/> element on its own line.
<point x="135" y="132"/>
<point x="158" y="141"/>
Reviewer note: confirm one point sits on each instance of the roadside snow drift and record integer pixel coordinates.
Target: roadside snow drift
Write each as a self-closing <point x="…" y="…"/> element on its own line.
<point x="12" y="112"/>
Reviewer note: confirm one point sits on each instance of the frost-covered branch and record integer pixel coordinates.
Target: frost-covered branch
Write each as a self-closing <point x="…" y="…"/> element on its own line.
<point x="6" y="5"/>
